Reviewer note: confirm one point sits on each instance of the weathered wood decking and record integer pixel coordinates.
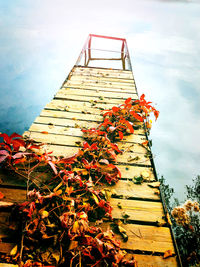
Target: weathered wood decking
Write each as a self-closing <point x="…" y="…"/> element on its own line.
<point x="78" y="103"/>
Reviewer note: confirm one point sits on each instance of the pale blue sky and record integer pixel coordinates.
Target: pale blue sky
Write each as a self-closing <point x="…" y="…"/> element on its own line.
<point x="41" y="40"/>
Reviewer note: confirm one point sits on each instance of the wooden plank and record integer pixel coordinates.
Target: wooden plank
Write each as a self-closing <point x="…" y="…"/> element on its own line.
<point x="102" y="81"/>
<point x="71" y="140"/>
<point x="90" y="99"/>
<point x="122" y="189"/>
<point x="84" y="117"/>
<point x="94" y="108"/>
<point x="8" y="264"/>
<point x="102" y="89"/>
<point x="145" y="238"/>
<point x="6" y="248"/>
<point x="127" y="189"/>
<point x="69" y="149"/>
<point x="104" y="72"/>
<point x="155" y="261"/>
<point x="97" y="93"/>
<point x="84" y="76"/>
<point x="125" y="158"/>
<point x="14" y="179"/>
<point x="96" y="85"/>
<point x="65" y="122"/>
<point x="13" y="194"/>
<point x="127" y="171"/>
<point x="71" y="115"/>
<point x="145" y="211"/>
<point x="56" y="129"/>
<point x="128" y="75"/>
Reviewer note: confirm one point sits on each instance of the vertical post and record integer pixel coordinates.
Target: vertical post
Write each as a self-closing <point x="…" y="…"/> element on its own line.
<point x="122" y="56"/>
<point x="89" y="50"/>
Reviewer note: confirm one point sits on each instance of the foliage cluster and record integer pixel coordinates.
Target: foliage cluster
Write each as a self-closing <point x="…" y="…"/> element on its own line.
<point x="62" y="198"/>
<point x="186" y="221"/>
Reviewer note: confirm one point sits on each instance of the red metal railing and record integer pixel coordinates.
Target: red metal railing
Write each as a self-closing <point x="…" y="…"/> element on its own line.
<point x="87" y="58"/>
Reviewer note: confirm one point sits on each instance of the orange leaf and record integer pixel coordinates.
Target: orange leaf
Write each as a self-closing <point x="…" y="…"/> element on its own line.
<point x="145" y="143"/>
<point x="44" y="132"/>
<point x="167" y="254"/>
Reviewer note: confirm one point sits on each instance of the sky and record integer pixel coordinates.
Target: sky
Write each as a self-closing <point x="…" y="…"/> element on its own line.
<point x="40" y="42"/>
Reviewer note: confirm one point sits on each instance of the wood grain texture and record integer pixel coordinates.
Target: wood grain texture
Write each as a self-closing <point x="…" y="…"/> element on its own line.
<point x="57" y="129"/>
<point x="155" y="261"/>
<point x="145" y="237"/>
<point x="97" y="93"/>
<point x="99" y="77"/>
<point x="100" y="84"/>
<point x="127" y="189"/>
<point x="104" y="72"/>
<point x="144" y="211"/>
<point x="114" y="101"/>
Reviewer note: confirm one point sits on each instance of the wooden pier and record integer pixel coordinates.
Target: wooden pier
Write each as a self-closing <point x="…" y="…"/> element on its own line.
<point x="78" y="103"/>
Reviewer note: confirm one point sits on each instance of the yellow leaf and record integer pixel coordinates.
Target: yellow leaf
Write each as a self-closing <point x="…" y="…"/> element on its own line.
<point x="73" y="244"/>
<point x="145" y="174"/>
<point x="69" y="190"/>
<point x="121" y="229"/>
<point x="59" y="192"/>
<point x="13" y="251"/>
<point x="43" y="214"/>
<point x="75" y="227"/>
<point x="95" y="198"/>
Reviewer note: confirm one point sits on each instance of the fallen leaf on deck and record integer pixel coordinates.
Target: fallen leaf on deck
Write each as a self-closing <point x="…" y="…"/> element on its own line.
<point x="167" y="254"/>
<point x="13" y="251"/>
<point x="119" y="205"/>
<point x="145" y="174"/>
<point x="160" y="223"/>
<point x="130" y="158"/>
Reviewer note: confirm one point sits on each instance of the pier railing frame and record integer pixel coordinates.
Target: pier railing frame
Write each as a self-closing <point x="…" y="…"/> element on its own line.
<point x="85" y="56"/>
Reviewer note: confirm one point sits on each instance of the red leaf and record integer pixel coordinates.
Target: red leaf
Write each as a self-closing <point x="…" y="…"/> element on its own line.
<point x="115" y="109"/>
<point x="128" y="100"/>
<point x="142" y="97"/>
<point x="137" y="116"/>
<point x="129" y="126"/>
<point x="17" y="144"/>
<point x="156" y="113"/>
<point x="108" y="113"/>
<point x="6" y="138"/>
<point x="1" y="195"/>
<point x="121" y="136"/>
<point x="15" y="135"/>
<point x="94" y="146"/>
<point x="86" y="145"/>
